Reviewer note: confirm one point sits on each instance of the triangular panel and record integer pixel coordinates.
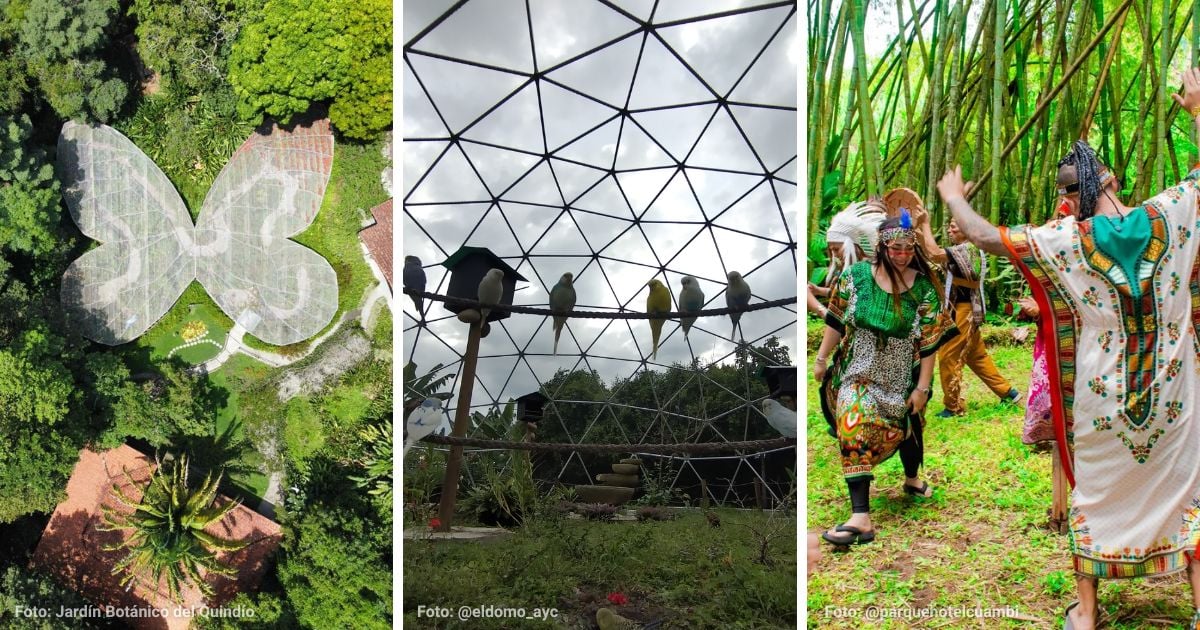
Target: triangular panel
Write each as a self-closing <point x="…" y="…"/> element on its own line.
<point x="451" y="179"/>
<point x="495" y="33"/>
<point x="772" y="133"/>
<point x="604" y="75"/>
<point x="663" y="80"/>
<point x="515" y="123"/>
<point x="461" y="92"/>
<point x="498" y="167"/>
<point x="721" y="48"/>
<point x="722" y="146"/>
<point x="563" y="29"/>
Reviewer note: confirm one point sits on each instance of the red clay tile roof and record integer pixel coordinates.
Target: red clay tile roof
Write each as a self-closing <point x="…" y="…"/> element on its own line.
<point x="71" y="547"/>
<point x="378" y="238"/>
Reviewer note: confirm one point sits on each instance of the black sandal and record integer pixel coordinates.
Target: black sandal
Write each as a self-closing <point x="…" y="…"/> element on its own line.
<point x="857" y="537"/>
<point x="920" y="492"/>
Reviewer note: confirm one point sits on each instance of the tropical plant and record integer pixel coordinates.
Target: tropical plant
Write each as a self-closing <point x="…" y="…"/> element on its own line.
<point x="418" y="388"/>
<point x="377" y="479"/>
<point x="166" y="530"/>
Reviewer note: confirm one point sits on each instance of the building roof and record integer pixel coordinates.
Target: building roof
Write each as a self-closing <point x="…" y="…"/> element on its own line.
<point x="378" y="239"/>
<point x="496" y="261"/>
<point x="72" y="548"/>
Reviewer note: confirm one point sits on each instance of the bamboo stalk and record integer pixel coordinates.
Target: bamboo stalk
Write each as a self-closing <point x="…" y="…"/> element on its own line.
<point x="1054" y="92"/>
<point x="999" y="76"/>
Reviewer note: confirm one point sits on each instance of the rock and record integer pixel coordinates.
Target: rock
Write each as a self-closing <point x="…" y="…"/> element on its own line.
<point x="632" y="460"/>
<point x="604" y="494"/>
<point x="626" y="469"/>
<point x="626" y="481"/>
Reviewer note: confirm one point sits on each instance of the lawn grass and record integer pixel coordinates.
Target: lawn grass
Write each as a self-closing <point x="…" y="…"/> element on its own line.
<point x="163" y="336"/>
<point x="237" y="375"/>
<point x="684" y="572"/>
<point x="981" y="540"/>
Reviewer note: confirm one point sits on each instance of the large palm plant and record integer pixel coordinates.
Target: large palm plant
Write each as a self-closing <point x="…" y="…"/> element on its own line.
<point x="167" y="530"/>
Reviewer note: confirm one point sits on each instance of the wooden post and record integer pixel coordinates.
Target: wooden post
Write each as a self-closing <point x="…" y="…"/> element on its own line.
<point x="704" y="494"/>
<point x="1058" y="507"/>
<point x="758" y="493"/>
<point x="462" y="418"/>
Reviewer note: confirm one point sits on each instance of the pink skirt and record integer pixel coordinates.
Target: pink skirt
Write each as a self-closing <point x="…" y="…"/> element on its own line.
<point x="1039" y="423"/>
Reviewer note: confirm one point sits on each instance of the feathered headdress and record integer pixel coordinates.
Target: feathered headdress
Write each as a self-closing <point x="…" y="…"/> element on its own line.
<point x="904" y="230"/>
<point x="857" y="224"/>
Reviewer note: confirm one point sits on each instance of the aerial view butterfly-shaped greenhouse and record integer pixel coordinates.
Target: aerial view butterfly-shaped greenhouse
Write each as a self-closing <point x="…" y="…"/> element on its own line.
<point x="619" y="142"/>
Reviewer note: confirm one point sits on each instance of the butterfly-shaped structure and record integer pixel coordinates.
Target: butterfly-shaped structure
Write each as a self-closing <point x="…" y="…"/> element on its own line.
<point x="278" y="290"/>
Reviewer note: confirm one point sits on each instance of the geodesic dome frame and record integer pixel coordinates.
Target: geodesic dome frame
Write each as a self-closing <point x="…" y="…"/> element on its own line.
<point x="618" y="141"/>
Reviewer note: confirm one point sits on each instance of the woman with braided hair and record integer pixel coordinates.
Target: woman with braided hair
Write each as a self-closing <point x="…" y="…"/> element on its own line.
<point x="884" y="320"/>
<point x="1118" y="304"/>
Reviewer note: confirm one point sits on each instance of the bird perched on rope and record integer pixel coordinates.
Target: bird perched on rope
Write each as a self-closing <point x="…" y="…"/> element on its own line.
<point x="414" y="278"/>
<point x="422" y="421"/>
<point x="659" y="301"/>
<point x="562" y="299"/>
<point x="491" y="289"/>
<point x="780" y="417"/>
<point x="737" y="294"/>
<point x="691" y="298"/>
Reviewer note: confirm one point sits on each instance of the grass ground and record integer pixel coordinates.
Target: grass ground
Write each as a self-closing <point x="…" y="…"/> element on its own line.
<point x="683" y="572"/>
<point x="164" y="339"/>
<point x="239" y="373"/>
<point x="980" y="541"/>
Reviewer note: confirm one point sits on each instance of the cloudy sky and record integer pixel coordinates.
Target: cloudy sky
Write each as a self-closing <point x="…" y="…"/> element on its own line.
<point x="616" y="153"/>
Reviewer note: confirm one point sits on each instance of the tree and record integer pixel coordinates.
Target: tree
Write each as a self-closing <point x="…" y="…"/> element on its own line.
<point x="336" y="565"/>
<point x="64" y="44"/>
<point x="163" y="410"/>
<point x="295" y="53"/>
<point x="29" y="192"/>
<point x="166" y="530"/>
<point x="34" y="469"/>
<point x="20" y="587"/>
<point x="187" y="43"/>
<point x="33" y="394"/>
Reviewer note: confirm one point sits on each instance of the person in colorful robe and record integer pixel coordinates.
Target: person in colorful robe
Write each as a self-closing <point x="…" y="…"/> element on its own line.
<point x="1118" y="295"/>
<point x="965" y="268"/>
<point x="885" y="321"/>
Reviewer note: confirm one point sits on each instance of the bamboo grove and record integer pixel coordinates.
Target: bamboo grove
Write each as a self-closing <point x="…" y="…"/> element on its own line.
<point x="1000" y="86"/>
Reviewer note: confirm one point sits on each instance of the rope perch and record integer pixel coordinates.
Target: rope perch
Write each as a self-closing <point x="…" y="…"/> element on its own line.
<point x="530" y="310"/>
<point x="696" y="448"/>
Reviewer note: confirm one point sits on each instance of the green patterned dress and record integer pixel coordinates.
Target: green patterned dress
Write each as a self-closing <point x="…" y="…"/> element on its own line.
<point x="874" y="370"/>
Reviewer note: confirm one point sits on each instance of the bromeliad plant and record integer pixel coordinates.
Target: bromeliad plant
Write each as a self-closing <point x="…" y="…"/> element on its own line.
<point x="167" y="536"/>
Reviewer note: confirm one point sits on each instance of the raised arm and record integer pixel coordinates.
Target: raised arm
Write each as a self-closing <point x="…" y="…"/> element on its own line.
<point x="977" y="229"/>
<point x="925" y="238"/>
<point x="1190" y="100"/>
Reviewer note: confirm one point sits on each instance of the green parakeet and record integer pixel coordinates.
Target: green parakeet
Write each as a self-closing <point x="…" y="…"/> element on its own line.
<point x="736" y="294"/>
<point x="607" y="619"/>
<point x="562" y="299"/>
<point x="491" y="290"/>
<point x="659" y="301"/>
<point x="691" y="298"/>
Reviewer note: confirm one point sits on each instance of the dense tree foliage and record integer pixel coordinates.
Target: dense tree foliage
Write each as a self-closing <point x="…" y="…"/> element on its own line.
<point x="29" y="588"/>
<point x="186" y="43"/>
<point x="299" y="52"/>
<point x="336" y="566"/>
<point x="65" y="44"/>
